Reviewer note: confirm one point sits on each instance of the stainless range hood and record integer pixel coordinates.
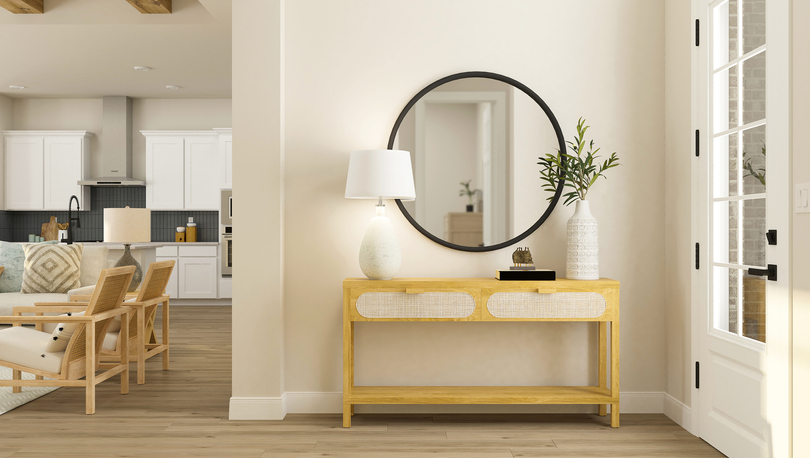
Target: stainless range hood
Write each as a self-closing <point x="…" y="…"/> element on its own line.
<point x="116" y="154"/>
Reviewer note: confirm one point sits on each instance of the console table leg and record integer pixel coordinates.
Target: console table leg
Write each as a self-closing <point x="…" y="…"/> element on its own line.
<point x="347" y="415"/>
<point x="614" y="372"/>
<point x="602" y="337"/>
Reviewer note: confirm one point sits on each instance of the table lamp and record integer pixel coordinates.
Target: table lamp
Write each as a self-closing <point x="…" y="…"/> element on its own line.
<point x="380" y="174"/>
<point x="128" y="226"/>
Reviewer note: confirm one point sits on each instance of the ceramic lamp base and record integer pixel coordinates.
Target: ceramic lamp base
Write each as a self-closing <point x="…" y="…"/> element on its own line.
<point x="128" y="260"/>
<point x="380" y="256"/>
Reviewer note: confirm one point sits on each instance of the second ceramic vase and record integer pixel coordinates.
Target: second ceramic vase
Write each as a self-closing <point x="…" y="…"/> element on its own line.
<point x="583" y="244"/>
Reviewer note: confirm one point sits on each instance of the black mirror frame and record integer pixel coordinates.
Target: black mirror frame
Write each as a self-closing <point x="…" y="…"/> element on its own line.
<point x="554" y="123"/>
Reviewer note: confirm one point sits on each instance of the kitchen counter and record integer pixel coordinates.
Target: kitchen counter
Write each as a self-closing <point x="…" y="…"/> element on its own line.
<point x="135" y="246"/>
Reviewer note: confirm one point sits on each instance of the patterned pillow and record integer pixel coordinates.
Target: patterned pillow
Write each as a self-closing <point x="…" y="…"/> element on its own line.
<point x="51" y="268"/>
<point x="12" y="257"/>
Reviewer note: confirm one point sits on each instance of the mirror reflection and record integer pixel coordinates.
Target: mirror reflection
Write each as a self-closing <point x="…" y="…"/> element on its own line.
<point x="474" y="146"/>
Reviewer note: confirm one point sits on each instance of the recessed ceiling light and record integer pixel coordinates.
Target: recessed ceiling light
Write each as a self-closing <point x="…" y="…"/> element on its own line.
<point x="17" y="87"/>
<point x="141" y="68"/>
<point x="173" y="87"/>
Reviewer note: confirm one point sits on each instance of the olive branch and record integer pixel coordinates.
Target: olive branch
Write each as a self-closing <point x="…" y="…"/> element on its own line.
<point x="580" y="168"/>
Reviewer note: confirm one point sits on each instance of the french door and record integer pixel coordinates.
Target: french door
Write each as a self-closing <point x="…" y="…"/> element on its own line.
<point x="741" y="198"/>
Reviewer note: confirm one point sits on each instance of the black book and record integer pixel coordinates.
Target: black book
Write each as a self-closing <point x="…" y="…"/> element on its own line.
<point x="526" y="275"/>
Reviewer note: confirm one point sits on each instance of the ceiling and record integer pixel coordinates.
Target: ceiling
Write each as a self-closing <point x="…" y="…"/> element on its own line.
<point x="88" y="48"/>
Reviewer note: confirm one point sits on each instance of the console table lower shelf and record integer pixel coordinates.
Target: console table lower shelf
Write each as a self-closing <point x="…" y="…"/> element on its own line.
<point x="484" y="299"/>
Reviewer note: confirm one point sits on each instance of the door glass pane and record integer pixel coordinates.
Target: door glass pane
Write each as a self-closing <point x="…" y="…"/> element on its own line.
<point x="754" y="241"/>
<point x="754" y="177"/>
<point x="725" y="298"/>
<point x="754" y="307"/>
<point x="753" y="24"/>
<point x="725" y="174"/>
<point x="725" y="232"/>
<point x="724" y="47"/>
<point x="754" y="88"/>
<point x="726" y="100"/>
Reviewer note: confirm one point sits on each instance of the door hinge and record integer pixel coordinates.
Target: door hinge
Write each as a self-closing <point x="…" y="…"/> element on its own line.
<point x="697" y="32"/>
<point x="697" y="375"/>
<point x="697" y="256"/>
<point x="697" y="143"/>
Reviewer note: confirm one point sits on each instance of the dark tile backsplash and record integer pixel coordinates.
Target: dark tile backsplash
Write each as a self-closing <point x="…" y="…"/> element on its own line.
<point x="16" y="225"/>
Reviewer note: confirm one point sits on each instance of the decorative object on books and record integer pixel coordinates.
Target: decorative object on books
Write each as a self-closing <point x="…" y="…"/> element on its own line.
<point x="380" y="174"/>
<point x="522" y="258"/>
<point x="580" y="169"/>
<point x="485" y="127"/>
<point x="128" y="225"/>
<point x="470" y="193"/>
<point x="51" y="268"/>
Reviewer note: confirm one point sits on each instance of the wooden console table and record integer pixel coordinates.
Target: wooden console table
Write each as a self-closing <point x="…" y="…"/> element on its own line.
<point x="483" y="299"/>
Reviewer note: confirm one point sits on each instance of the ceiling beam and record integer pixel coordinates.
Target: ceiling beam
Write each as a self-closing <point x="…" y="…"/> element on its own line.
<point x="151" y="6"/>
<point x="24" y="6"/>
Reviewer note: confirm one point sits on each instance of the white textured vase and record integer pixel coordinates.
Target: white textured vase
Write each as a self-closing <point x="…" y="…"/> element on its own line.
<point x="380" y="257"/>
<point x="583" y="245"/>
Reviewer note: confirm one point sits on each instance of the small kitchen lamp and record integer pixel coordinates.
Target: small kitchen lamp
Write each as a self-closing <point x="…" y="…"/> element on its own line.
<point x="380" y="174"/>
<point x="128" y="226"/>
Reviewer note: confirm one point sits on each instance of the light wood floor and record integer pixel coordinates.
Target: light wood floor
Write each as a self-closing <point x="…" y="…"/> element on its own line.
<point x="184" y="412"/>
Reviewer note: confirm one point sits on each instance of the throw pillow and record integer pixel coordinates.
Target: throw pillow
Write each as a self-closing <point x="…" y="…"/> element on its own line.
<point x="12" y="257"/>
<point x="51" y="268"/>
<point x="62" y="334"/>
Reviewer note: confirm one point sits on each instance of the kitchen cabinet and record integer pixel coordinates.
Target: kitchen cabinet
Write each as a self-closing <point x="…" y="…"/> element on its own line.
<point x="43" y="168"/>
<point x="225" y="157"/>
<point x="195" y="272"/>
<point x="182" y="170"/>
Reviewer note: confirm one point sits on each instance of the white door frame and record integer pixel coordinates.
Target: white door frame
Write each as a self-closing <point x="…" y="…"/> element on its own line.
<point x="778" y="87"/>
<point x="500" y="161"/>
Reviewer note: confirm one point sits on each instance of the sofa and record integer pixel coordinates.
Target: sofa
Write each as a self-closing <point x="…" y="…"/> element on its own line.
<point x="94" y="260"/>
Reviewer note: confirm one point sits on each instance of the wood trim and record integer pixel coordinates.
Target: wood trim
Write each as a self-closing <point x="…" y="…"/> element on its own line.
<point x="24" y="6"/>
<point x="152" y="6"/>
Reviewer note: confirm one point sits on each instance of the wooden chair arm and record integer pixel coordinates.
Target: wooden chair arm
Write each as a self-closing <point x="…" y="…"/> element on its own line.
<point x="45" y="319"/>
<point x="58" y="304"/>
<point x="58" y="308"/>
<point x="80" y="298"/>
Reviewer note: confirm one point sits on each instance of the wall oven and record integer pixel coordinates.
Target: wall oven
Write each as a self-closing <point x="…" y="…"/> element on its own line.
<point x="227" y="251"/>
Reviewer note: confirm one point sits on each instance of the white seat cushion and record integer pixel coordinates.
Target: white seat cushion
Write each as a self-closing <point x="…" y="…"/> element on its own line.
<point x="26" y="347"/>
<point x="110" y="341"/>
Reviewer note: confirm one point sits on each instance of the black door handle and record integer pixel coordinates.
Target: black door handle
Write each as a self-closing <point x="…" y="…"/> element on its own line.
<point x="770" y="272"/>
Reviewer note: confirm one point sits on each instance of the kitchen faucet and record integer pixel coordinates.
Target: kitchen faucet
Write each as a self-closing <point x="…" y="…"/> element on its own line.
<point x="71" y="219"/>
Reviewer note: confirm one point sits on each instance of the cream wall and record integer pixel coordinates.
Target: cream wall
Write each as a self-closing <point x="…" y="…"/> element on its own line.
<point x="801" y="229"/>
<point x="147" y="114"/>
<point x="350" y="68"/>
<point x="678" y="154"/>
<point x="6" y="123"/>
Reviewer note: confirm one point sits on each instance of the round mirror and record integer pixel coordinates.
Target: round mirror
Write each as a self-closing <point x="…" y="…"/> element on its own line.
<point x="475" y="139"/>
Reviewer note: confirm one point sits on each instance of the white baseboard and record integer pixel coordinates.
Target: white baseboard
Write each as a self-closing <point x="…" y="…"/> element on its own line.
<point x="332" y="402"/>
<point x="678" y="412"/>
<point x="257" y="408"/>
<point x="199" y="302"/>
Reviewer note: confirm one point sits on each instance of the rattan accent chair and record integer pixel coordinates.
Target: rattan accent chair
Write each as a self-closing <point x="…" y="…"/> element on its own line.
<point x="81" y="357"/>
<point x="143" y="342"/>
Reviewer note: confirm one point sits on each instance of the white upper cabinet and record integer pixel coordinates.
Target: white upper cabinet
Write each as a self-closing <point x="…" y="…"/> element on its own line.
<point x="225" y="157"/>
<point x="164" y="172"/>
<point x="182" y="170"/>
<point x="43" y="169"/>
<point x="202" y="172"/>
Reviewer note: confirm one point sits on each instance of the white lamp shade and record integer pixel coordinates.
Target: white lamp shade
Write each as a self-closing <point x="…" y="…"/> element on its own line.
<point x="383" y="174"/>
<point x="127" y="225"/>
